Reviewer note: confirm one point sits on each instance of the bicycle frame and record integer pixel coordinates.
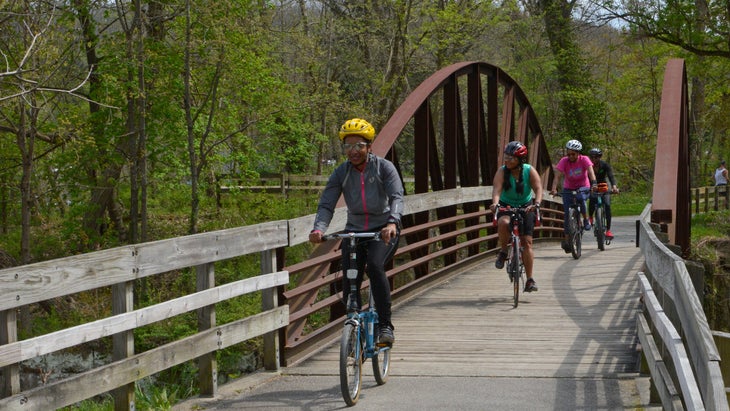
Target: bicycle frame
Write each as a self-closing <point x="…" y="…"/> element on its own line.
<point x="575" y="223"/>
<point x="515" y="265"/>
<point x="358" y="337"/>
<point x="600" y="223"/>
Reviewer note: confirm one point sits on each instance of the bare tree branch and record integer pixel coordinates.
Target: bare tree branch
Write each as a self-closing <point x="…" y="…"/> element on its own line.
<point x="20" y="70"/>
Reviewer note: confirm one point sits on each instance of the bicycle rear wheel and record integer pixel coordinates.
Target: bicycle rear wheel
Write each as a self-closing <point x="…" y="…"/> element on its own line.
<point x="351" y="353"/>
<point x="576" y="233"/>
<point x="381" y="364"/>
<point x="600" y="229"/>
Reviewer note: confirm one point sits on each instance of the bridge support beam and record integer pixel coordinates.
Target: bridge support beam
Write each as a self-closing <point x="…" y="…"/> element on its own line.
<point x="671" y="193"/>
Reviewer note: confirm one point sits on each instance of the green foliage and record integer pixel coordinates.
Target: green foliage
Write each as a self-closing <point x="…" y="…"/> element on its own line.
<point x="710" y="243"/>
<point x="105" y="403"/>
<point x="711" y="224"/>
<point x="149" y="395"/>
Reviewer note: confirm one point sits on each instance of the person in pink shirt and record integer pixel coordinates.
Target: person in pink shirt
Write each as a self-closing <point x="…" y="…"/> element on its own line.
<point x="577" y="174"/>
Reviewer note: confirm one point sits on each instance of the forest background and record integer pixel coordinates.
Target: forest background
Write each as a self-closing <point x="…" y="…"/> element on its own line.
<point x="117" y="117"/>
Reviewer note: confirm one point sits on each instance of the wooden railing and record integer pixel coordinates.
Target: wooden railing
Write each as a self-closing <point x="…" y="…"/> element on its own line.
<point x="276" y="183"/>
<point x="118" y="268"/>
<point x="431" y="249"/>
<point x="713" y="198"/>
<point x="676" y="340"/>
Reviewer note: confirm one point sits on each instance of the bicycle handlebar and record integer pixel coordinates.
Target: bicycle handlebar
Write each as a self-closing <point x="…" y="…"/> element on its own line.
<point x="580" y="190"/>
<point x="373" y="235"/>
<point x="508" y="208"/>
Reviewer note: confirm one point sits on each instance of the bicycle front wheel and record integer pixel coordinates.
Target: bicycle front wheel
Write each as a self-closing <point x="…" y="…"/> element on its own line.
<point x="576" y="233"/>
<point x="600" y="229"/>
<point x="351" y="353"/>
<point x="381" y="364"/>
<point x="514" y="269"/>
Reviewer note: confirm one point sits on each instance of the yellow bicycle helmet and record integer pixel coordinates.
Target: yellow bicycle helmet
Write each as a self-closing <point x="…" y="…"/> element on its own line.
<point x="357" y="127"/>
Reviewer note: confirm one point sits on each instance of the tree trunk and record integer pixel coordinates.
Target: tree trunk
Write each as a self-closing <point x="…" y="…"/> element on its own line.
<point x="194" y="196"/>
<point x="103" y="181"/>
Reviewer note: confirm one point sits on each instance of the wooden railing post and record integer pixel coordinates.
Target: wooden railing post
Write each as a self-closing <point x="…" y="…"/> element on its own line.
<point x="207" y="364"/>
<point x="9" y="334"/>
<point x="270" y="300"/>
<point x="123" y="343"/>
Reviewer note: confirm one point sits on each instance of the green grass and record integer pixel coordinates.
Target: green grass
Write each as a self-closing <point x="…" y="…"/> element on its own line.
<point x="629" y="203"/>
<point x="711" y="224"/>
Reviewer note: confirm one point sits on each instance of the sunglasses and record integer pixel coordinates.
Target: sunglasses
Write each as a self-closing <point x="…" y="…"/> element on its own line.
<point x="359" y="146"/>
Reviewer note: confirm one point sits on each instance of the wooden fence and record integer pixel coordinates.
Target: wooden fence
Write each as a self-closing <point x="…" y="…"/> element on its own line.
<point x="118" y="268"/>
<point x="713" y="198"/>
<point x="677" y="343"/>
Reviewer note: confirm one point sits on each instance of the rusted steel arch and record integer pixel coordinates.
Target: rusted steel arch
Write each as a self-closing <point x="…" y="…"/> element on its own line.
<point x="671" y="194"/>
<point x="471" y="146"/>
<point x="457" y="141"/>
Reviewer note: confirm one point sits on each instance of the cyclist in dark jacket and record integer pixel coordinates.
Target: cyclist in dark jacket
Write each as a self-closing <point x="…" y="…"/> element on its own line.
<point x="604" y="174"/>
<point x="514" y="185"/>
<point x="373" y="193"/>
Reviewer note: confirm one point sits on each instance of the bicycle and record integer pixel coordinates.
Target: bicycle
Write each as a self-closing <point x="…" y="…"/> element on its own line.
<point x="600" y="223"/>
<point x="515" y="266"/>
<point x="575" y="222"/>
<point x="358" y="342"/>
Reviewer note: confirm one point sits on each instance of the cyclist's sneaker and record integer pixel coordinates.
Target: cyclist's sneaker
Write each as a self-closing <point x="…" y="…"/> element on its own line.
<point x="530" y="285"/>
<point x="501" y="258"/>
<point x="566" y="246"/>
<point x="609" y="234"/>
<point x="586" y="224"/>
<point x="385" y="335"/>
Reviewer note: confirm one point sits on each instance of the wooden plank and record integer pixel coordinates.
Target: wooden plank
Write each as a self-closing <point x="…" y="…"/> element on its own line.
<point x="50" y="279"/>
<point x="102" y="379"/>
<point x="26" y="349"/>
<point x="32" y="283"/>
<point x="188" y="251"/>
<point x="661" y="379"/>
<point x="674" y="345"/>
<point x="299" y="228"/>
<point x="704" y="355"/>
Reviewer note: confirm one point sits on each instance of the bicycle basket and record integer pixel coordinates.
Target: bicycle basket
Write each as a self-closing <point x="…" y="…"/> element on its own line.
<point x="602" y="187"/>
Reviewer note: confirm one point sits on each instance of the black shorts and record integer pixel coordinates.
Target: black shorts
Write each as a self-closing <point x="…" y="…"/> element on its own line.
<point x="528" y="222"/>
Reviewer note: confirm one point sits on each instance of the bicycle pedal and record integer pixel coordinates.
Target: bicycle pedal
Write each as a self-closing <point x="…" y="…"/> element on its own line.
<point x="383" y="345"/>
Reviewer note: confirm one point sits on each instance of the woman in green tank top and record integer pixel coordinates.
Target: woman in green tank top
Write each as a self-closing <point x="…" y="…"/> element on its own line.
<point x="517" y="184"/>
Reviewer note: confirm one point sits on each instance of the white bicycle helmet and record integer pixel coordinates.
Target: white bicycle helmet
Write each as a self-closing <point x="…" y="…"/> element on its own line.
<point x="574" y="145"/>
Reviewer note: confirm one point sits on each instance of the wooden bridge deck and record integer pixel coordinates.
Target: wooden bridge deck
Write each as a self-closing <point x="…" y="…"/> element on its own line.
<point x="580" y="326"/>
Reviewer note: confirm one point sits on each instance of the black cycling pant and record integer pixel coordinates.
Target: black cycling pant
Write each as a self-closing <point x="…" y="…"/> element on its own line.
<point x="607" y="206"/>
<point x="375" y="254"/>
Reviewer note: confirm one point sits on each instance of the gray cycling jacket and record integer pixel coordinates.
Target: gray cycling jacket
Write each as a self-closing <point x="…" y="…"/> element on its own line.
<point x="373" y="197"/>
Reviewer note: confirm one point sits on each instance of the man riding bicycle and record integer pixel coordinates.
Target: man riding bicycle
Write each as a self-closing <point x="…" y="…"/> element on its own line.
<point x="577" y="172"/>
<point x="604" y="174"/>
<point x="508" y="189"/>
<point x="373" y="193"/>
